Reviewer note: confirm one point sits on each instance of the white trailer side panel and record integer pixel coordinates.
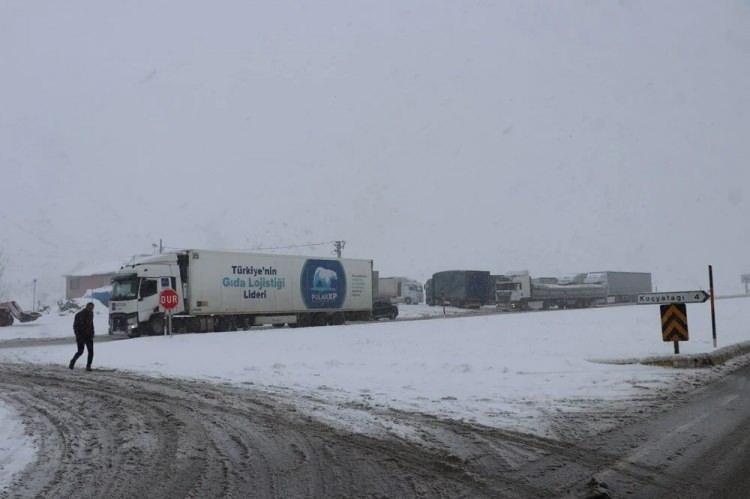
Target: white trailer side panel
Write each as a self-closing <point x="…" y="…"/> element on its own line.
<point x="250" y="283"/>
<point x="388" y="287"/>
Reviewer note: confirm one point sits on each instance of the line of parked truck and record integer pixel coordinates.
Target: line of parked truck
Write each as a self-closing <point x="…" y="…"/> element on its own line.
<point x="226" y="291"/>
<point x="518" y="290"/>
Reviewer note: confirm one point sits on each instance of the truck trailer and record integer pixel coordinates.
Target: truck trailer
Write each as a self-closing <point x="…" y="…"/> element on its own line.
<point x="622" y="287"/>
<point x="518" y="290"/>
<point x="459" y="288"/>
<point x="225" y="291"/>
<point x="400" y="290"/>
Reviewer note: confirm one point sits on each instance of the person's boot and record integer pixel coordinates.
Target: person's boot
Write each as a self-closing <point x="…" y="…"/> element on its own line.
<point x="71" y="364"/>
<point x="88" y="368"/>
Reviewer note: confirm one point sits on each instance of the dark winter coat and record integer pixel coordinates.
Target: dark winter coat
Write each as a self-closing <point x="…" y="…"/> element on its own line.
<point x="83" y="325"/>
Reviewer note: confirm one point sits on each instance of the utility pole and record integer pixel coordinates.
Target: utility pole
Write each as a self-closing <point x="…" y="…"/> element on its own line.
<point x="161" y="247"/>
<point x="338" y="247"/>
<point x="33" y="303"/>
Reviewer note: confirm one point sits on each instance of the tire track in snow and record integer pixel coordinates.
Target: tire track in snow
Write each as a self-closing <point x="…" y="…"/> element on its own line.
<point x="114" y="434"/>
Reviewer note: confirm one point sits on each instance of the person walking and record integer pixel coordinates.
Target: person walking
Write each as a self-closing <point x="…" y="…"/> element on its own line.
<point x="83" y="327"/>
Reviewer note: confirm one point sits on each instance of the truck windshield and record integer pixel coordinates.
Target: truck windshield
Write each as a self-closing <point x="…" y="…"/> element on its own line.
<point x="125" y="289"/>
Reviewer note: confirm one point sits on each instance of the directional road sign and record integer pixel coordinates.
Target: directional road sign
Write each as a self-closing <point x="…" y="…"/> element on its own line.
<point x="674" y="324"/>
<point x="699" y="296"/>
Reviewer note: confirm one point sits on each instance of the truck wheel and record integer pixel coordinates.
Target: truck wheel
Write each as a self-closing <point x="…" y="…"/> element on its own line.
<point x="193" y="325"/>
<point x="393" y="315"/>
<point x="408" y="300"/>
<point x="156" y="324"/>
<point x="337" y="319"/>
<point x="320" y="320"/>
<point x="303" y="320"/>
<point x="278" y="325"/>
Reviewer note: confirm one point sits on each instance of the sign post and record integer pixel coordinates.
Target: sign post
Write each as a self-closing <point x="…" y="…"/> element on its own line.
<point x="674" y="323"/>
<point x="713" y="309"/>
<point x="168" y="300"/>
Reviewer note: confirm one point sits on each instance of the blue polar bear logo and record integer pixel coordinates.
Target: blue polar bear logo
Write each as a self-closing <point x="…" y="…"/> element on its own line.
<point x="324" y="279"/>
<point x="323" y="284"/>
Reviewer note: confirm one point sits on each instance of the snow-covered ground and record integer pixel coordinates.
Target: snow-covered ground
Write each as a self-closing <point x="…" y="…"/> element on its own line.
<point x="422" y="310"/>
<point x="56" y="324"/>
<point x="16" y="448"/>
<point x="510" y="370"/>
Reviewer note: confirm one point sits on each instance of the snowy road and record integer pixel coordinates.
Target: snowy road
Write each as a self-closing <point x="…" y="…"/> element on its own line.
<point x="513" y="371"/>
<point x="489" y="406"/>
<point x="110" y="434"/>
<point x="114" y="434"/>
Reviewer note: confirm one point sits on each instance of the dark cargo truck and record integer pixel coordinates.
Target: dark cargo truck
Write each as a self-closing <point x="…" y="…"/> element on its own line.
<point x="459" y="288"/>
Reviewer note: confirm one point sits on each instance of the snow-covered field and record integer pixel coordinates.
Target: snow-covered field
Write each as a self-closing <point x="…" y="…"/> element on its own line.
<point x="16" y="448"/>
<point x="508" y="370"/>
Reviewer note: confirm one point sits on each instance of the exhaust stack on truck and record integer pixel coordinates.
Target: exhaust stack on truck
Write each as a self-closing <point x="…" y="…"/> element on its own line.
<point x="226" y="291"/>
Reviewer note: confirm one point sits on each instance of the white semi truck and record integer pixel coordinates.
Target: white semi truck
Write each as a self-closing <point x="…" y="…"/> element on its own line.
<point x="400" y="290"/>
<point x="226" y="291"/>
<point x="518" y="290"/>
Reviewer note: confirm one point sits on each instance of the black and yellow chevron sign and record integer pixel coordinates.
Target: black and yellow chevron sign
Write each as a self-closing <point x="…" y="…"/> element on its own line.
<point x="674" y="323"/>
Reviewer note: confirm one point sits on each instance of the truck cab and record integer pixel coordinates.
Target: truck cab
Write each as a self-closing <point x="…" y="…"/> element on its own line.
<point x="521" y="287"/>
<point x="134" y="307"/>
<point x="412" y="292"/>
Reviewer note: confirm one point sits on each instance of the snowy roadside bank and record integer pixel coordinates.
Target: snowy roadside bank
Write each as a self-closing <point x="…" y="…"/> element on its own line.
<point x="683" y="361"/>
<point x="55" y="325"/>
<point x="16" y="448"/>
<point x="516" y="371"/>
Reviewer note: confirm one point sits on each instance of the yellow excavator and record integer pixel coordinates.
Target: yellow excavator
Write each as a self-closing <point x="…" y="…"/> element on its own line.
<point x="10" y="310"/>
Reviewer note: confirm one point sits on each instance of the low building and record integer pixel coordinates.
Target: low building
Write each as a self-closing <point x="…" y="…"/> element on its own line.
<point x="83" y="279"/>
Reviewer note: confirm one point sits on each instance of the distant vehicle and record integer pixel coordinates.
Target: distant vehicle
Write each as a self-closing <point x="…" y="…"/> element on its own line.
<point x="400" y="290"/>
<point x="384" y="309"/>
<point x="225" y="291"/>
<point x="10" y="310"/>
<point x="622" y="287"/>
<point x="518" y="290"/>
<point x="459" y="288"/>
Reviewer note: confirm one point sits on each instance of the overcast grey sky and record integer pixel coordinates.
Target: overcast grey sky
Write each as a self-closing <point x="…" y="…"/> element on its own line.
<point x="549" y="136"/>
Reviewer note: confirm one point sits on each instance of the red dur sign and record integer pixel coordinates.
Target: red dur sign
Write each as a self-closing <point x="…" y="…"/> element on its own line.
<point x="168" y="299"/>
